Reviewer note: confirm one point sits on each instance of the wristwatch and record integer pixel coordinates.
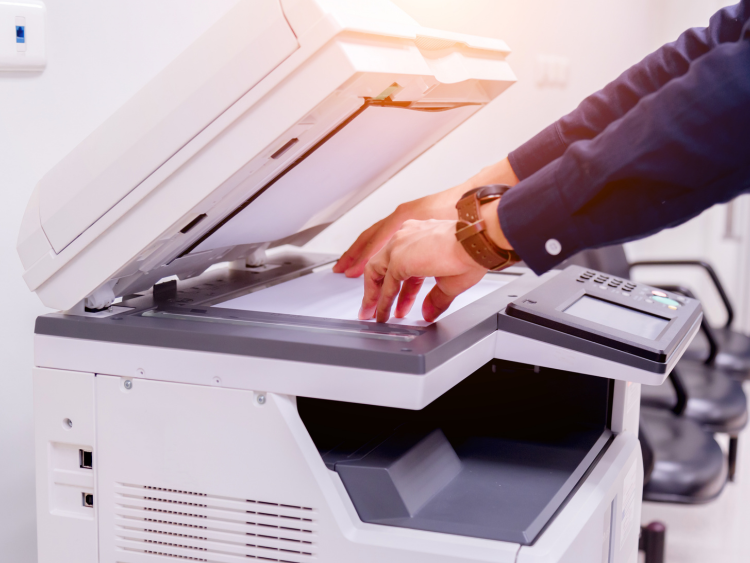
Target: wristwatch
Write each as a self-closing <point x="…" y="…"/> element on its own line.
<point x="471" y="230"/>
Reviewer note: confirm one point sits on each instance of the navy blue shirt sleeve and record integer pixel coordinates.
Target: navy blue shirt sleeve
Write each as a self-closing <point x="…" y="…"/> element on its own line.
<point x="597" y="111"/>
<point x="678" y="151"/>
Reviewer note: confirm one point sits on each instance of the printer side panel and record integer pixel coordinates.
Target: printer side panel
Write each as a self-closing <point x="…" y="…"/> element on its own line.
<point x="190" y="471"/>
<point x="65" y="436"/>
<point x="626" y="407"/>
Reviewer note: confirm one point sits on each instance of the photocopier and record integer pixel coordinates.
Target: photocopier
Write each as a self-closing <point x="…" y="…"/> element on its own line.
<point x="206" y="392"/>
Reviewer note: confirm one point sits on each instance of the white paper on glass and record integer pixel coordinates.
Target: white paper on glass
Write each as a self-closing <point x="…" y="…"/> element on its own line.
<point x="334" y="296"/>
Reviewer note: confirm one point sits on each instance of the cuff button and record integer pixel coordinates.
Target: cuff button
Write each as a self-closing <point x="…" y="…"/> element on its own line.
<point x="553" y="247"/>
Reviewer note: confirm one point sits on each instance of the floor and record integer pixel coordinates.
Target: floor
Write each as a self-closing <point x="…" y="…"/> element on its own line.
<point x="716" y="532"/>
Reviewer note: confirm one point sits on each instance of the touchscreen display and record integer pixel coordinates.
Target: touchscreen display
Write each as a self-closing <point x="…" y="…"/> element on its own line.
<point x="619" y="317"/>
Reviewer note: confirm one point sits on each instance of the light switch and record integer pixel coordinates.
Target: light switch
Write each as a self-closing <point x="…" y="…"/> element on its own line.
<point x="22" y="35"/>
<point x="552" y="71"/>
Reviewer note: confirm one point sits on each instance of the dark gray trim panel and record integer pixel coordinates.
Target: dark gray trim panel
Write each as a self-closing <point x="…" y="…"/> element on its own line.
<point x="552" y="336"/>
<point x="283" y="337"/>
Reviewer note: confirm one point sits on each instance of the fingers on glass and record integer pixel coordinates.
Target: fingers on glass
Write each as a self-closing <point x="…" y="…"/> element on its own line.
<point x="388" y="293"/>
<point x="408" y="295"/>
<point x="435" y="304"/>
<point x="373" y="284"/>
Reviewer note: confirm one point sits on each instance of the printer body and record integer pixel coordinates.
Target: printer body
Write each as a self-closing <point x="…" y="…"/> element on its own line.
<point x="205" y="391"/>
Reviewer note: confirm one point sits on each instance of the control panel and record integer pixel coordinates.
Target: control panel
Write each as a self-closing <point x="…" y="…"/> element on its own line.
<point x="638" y="292"/>
<point x="635" y="318"/>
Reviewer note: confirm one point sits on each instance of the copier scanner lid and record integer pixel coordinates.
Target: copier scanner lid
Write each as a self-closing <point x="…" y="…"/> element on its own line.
<point x="275" y="122"/>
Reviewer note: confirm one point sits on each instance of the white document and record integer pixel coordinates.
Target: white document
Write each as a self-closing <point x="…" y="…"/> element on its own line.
<point x="334" y="296"/>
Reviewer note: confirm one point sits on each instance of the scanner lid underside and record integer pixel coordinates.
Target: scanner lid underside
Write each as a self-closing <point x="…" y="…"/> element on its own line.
<point x="328" y="123"/>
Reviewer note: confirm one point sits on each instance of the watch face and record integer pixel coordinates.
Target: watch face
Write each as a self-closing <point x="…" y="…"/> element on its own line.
<point x="493" y="191"/>
<point x="488" y="198"/>
<point x="471" y="191"/>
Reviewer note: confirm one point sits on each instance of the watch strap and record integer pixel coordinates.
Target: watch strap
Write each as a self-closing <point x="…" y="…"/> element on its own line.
<point x="468" y="206"/>
<point x="471" y="230"/>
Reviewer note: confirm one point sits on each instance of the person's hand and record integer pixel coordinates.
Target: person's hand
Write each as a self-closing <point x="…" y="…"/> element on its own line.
<point x="421" y="249"/>
<point x="441" y="205"/>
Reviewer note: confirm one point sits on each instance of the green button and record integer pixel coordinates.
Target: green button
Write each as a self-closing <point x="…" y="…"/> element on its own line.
<point x="665" y="300"/>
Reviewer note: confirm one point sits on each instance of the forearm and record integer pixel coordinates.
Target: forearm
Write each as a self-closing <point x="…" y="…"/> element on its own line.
<point x="443" y="204"/>
<point x="492" y="227"/>
<point x="620" y="96"/>
<point x="679" y="151"/>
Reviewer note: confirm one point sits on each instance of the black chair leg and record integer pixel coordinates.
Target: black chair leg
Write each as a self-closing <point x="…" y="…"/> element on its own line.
<point x="652" y="542"/>
<point x="732" y="457"/>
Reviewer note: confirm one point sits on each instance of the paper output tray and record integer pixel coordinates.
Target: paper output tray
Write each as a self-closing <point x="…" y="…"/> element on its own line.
<point x="495" y="457"/>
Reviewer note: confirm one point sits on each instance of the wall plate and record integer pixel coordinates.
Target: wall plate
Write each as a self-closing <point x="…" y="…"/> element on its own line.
<point x="22" y="35"/>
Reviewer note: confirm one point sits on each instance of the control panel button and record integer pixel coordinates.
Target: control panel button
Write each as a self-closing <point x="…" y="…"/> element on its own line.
<point x="666" y="301"/>
<point x="658" y="293"/>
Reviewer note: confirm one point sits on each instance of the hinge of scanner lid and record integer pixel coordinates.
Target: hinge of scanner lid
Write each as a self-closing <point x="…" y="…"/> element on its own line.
<point x="97" y="304"/>
<point x="257" y="257"/>
<point x="101" y="298"/>
<point x="255" y="260"/>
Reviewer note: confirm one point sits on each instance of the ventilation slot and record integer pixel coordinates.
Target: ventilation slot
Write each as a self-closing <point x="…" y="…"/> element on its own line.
<point x="176" y="556"/>
<point x="194" y="526"/>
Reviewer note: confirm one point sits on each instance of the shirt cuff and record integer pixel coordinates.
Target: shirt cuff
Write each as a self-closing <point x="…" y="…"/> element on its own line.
<point x="535" y="220"/>
<point x="537" y="152"/>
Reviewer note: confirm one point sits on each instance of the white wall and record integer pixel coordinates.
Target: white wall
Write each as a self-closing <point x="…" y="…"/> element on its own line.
<point x="100" y="53"/>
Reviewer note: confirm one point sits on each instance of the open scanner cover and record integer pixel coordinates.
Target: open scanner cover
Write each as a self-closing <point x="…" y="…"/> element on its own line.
<point x="273" y="124"/>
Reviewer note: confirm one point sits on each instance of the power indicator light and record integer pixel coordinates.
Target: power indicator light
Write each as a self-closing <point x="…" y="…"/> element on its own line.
<point x="20" y="34"/>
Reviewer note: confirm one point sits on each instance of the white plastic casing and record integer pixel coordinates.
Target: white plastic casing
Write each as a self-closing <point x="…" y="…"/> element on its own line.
<point x="200" y="139"/>
<point x="210" y="473"/>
